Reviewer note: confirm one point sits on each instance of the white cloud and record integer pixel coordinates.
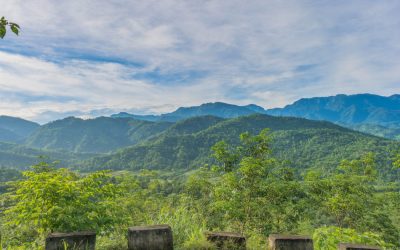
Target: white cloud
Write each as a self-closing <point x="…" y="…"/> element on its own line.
<point x="37" y="86"/>
<point x="264" y="52"/>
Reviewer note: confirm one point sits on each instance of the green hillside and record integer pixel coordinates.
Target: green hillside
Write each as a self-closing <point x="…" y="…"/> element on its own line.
<point x="305" y="143"/>
<point x="21" y="157"/>
<point x="99" y="135"/>
<point x="13" y="129"/>
<point x="388" y="131"/>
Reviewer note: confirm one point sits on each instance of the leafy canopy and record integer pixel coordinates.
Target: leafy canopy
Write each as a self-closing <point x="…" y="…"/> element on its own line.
<point x="51" y="199"/>
<point x="254" y="192"/>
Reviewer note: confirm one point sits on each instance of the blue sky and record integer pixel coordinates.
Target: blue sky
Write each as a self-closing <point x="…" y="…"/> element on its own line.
<point x="96" y="57"/>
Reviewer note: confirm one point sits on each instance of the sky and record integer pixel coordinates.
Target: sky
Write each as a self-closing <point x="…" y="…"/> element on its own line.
<point x="97" y="57"/>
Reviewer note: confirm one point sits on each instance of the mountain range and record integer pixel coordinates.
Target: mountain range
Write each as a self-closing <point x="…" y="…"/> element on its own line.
<point x="310" y="133"/>
<point x="304" y="143"/>
<point x="218" y="109"/>
<point x="369" y="113"/>
<point x="378" y="115"/>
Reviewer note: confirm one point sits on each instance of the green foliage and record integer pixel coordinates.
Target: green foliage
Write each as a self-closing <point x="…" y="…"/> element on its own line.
<point x="245" y="189"/>
<point x="258" y="194"/>
<point x="396" y="162"/>
<point x="4" y="23"/>
<point x="50" y="200"/>
<point x="328" y="238"/>
<point x="346" y="194"/>
<point x="115" y="241"/>
<point x="188" y="226"/>
<point x="389" y="131"/>
<point x="21" y="157"/>
<point x="350" y="199"/>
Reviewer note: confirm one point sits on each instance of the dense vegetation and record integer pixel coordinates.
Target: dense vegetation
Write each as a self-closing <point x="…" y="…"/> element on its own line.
<point x="21" y="157"/>
<point x="202" y="173"/>
<point x="98" y="135"/>
<point x="389" y="131"/>
<point x="304" y="143"/>
<point x="247" y="190"/>
<point x="367" y="113"/>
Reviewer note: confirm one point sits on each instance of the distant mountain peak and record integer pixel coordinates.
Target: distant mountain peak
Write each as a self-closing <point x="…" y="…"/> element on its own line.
<point x="217" y="109"/>
<point x="346" y="109"/>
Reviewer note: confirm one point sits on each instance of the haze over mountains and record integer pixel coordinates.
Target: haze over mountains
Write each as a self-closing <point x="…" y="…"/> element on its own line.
<point x="182" y="139"/>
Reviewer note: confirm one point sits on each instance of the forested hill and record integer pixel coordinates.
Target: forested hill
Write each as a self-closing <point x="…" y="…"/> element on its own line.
<point x="22" y="157"/>
<point x="182" y="139"/>
<point x="13" y="129"/>
<point x="97" y="135"/>
<point x="305" y="143"/>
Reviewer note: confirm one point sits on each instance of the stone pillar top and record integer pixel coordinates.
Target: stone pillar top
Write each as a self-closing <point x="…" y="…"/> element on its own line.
<point x="151" y="227"/>
<point x="63" y="235"/>
<point x="76" y="240"/>
<point x="289" y="237"/>
<point x="349" y="246"/>
<point x="290" y="242"/>
<point x="225" y="234"/>
<point x="151" y="237"/>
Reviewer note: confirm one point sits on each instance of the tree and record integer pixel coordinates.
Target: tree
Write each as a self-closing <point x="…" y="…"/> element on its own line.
<point x="255" y="192"/>
<point x="4" y="23"/>
<point x="396" y="162"/>
<point x="349" y="198"/>
<point x="346" y="195"/>
<point x="49" y="199"/>
<point x="328" y="238"/>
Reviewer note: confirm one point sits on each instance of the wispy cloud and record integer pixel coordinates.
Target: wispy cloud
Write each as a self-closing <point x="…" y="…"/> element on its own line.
<point x="152" y="56"/>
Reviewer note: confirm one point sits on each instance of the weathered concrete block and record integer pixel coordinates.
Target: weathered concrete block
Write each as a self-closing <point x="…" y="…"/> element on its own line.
<point x="348" y="246"/>
<point x="71" y="241"/>
<point x="157" y="237"/>
<point x="290" y="242"/>
<point x="225" y="240"/>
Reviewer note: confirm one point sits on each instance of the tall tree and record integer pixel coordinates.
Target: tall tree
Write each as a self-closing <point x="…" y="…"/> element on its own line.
<point x="255" y="192"/>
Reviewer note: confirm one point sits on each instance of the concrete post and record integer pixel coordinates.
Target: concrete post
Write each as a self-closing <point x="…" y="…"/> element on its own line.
<point x="71" y="241"/>
<point x="348" y="246"/>
<point x="225" y="240"/>
<point x="157" y="237"/>
<point x="290" y="242"/>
